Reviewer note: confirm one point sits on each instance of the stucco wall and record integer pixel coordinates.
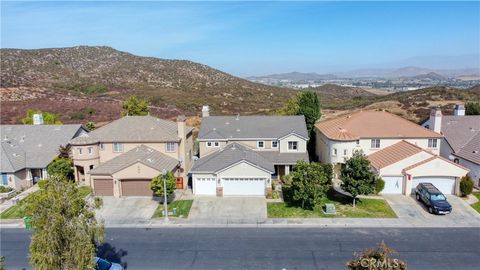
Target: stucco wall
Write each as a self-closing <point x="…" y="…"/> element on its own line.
<point x="474" y="170"/>
<point x="244" y="170"/>
<point x="396" y="168"/>
<point x="302" y="144"/>
<point x="205" y="150"/>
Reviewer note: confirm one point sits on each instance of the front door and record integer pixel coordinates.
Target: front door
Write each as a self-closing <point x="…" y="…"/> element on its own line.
<point x="4" y="179"/>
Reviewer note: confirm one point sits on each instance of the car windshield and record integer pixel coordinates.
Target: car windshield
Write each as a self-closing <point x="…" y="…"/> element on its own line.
<point x="103" y="265"/>
<point x="438" y="197"/>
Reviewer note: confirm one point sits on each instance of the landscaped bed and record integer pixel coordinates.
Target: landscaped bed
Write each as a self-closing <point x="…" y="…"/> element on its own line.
<point x="365" y="208"/>
<point x="183" y="208"/>
<point x="476" y="205"/>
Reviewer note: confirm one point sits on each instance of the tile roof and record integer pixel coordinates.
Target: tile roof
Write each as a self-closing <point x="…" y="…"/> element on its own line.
<point x="142" y="154"/>
<point x="393" y="154"/>
<point x="372" y="124"/>
<point x="471" y="150"/>
<point x="251" y="127"/>
<point x="33" y="146"/>
<point x="133" y="129"/>
<point x="433" y="158"/>
<point x="229" y="155"/>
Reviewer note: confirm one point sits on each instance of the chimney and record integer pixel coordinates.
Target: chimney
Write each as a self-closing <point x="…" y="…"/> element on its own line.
<point x="459" y="110"/>
<point x="205" y="111"/>
<point x="38" y="119"/>
<point x="181" y="126"/>
<point x="436" y="120"/>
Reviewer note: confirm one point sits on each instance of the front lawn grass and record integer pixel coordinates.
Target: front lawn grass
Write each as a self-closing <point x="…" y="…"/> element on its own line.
<point x="18" y="210"/>
<point x="476" y="205"/>
<point x="183" y="208"/>
<point x="365" y="208"/>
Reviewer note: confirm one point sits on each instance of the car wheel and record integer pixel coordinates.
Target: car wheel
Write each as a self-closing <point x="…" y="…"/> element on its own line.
<point x="430" y="210"/>
<point x="418" y="197"/>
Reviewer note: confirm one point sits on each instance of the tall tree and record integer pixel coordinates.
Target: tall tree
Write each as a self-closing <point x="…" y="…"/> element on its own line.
<point x="291" y="107"/>
<point x="472" y="108"/>
<point x="65" y="228"/>
<point x="310" y="184"/>
<point x="62" y="167"/>
<point x="135" y="106"/>
<point x="64" y="151"/>
<point x="157" y="184"/>
<point x="357" y="177"/>
<point x="48" y="118"/>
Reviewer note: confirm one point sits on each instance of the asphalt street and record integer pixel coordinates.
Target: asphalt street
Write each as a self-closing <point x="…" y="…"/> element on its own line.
<point x="267" y="248"/>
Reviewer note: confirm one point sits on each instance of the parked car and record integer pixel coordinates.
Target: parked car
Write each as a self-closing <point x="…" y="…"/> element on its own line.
<point x="433" y="198"/>
<point x="102" y="264"/>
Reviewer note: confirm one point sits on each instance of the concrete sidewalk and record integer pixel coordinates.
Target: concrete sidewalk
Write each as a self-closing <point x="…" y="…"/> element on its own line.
<point x="7" y="204"/>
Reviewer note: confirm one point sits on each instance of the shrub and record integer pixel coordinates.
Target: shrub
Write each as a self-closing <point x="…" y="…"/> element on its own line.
<point x="376" y="258"/>
<point x="466" y="185"/>
<point x="379" y="185"/>
<point x="273" y="185"/>
<point x="77" y="115"/>
<point x="5" y="189"/>
<point x="61" y="166"/>
<point x="275" y="195"/>
<point x="42" y="183"/>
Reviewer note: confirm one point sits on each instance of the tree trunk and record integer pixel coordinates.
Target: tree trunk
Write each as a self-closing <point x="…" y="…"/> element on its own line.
<point x="303" y="204"/>
<point x="353" y="201"/>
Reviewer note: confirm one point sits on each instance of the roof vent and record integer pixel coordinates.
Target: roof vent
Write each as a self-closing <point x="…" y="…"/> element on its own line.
<point x="214" y="129"/>
<point x="475" y="151"/>
<point x="22" y="139"/>
<point x="150" y="160"/>
<point x="15" y="155"/>
<point x="150" y="150"/>
<point x="238" y="130"/>
<point x="227" y="123"/>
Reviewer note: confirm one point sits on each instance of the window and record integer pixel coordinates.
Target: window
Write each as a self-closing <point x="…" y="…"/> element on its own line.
<point x="260" y="144"/>
<point x="90" y="150"/>
<point x="91" y="167"/>
<point x="375" y="143"/>
<point x="293" y="146"/>
<point x="79" y="151"/>
<point x="117" y="147"/>
<point x="344" y="152"/>
<point x="209" y="144"/>
<point x="432" y="143"/>
<point x="334" y="151"/>
<point x="358" y="142"/>
<point x="274" y="144"/>
<point x="170" y="147"/>
<point x="216" y="144"/>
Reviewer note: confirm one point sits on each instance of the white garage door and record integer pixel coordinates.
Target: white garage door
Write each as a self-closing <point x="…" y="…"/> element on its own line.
<point x="393" y="185"/>
<point x="445" y="184"/>
<point x="243" y="186"/>
<point x="205" y="186"/>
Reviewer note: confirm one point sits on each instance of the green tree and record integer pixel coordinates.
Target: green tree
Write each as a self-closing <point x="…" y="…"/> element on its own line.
<point x="292" y="106"/>
<point x="472" y="108"/>
<point x="62" y="167"/>
<point x="157" y="184"/>
<point x="135" y="106"/>
<point x="466" y="185"/>
<point x="65" y="228"/>
<point x="357" y="177"/>
<point x="90" y="126"/>
<point x="48" y="118"/>
<point x="309" y="183"/>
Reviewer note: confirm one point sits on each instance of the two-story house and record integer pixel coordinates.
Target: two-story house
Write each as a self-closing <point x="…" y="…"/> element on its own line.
<point x="239" y="155"/>
<point x="401" y="152"/>
<point x="121" y="158"/>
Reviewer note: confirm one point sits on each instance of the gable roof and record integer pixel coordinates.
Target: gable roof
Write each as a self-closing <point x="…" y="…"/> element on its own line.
<point x="372" y="124"/>
<point x="434" y="157"/>
<point x="229" y="155"/>
<point x="33" y="146"/>
<point x="133" y="129"/>
<point x="143" y="154"/>
<point x="471" y="150"/>
<point x="393" y="154"/>
<point x="252" y="127"/>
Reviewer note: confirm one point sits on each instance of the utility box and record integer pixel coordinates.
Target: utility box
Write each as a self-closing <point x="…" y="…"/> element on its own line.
<point x="330" y="209"/>
<point x="27" y="221"/>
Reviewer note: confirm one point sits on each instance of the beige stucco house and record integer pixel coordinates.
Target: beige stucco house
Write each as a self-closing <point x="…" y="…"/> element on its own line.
<point x="401" y="152"/>
<point x="121" y="158"/>
<point x="239" y="155"/>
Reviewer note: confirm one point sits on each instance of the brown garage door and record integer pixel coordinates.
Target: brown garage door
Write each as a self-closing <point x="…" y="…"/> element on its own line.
<point x="136" y="187"/>
<point x="103" y="187"/>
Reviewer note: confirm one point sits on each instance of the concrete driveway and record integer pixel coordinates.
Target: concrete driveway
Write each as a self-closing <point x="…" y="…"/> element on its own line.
<point x="225" y="209"/>
<point x="407" y="207"/>
<point x="127" y="210"/>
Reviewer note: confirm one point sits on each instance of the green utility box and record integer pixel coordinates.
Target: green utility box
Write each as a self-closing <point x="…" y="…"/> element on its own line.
<point x="28" y="222"/>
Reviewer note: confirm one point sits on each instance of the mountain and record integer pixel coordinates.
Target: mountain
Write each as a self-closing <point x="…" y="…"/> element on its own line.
<point x="294" y="77"/>
<point x="331" y="92"/>
<point x="430" y="76"/>
<point x="407" y="71"/>
<point x="92" y="75"/>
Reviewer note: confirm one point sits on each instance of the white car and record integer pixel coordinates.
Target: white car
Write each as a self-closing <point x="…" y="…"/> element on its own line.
<point x="101" y="264"/>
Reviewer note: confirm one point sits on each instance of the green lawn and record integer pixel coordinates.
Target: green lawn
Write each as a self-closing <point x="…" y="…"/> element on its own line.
<point x="365" y="208"/>
<point x="183" y="208"/>
<point x="476" y="205"/>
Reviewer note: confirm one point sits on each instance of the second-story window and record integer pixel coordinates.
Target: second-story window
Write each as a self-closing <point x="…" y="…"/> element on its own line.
<point x="170" y="147"/>
<point x="216" y="144"/>
<point x="260" y="144"/>
<point x="334" y="151"/>
<point x="375" y="143"/>
<point x="345" y="152"/>
<point x="79" y="151"/>
<point x="293" y="146"/>
<point x="102" y="146"/>
<point x="117" y="147"/>
<point x="209" y="144"/>
<point x="432" y="143"/>
<point x="274" y="144"/>
<point x="90" y="150"/>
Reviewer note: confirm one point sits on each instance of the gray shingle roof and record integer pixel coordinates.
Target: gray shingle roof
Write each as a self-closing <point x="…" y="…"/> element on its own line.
<point x="142" y="154"/>
<point x="278" y="158"/>
<point x="459" y="130"/>
<point x="33" y="146"/>
<point x="471" y="150"/>
<point x="133" y="129"/>
<point x="251" y="127"/>
<point x="229" y="155"/>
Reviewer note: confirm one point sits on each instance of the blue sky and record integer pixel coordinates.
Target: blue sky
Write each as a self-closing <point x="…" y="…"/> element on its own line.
<point x="255" y="38"/>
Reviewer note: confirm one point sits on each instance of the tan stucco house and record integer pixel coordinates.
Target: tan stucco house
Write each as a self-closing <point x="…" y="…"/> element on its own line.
<point x="239" y="155"/>
<point x="26" y="151"/>
<point x="121" y="158"/>
<point x="401" y="152"/>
